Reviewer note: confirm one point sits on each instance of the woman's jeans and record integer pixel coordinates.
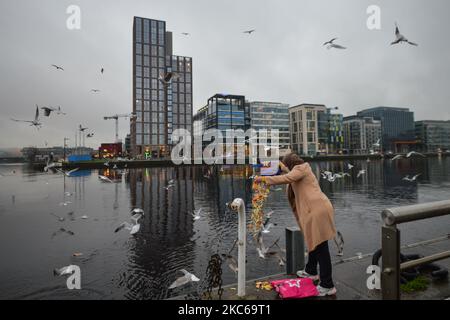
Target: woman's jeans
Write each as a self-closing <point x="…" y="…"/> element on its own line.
<point x="321" y="255"/>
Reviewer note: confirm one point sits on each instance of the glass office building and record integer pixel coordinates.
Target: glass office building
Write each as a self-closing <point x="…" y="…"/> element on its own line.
<point x="159" y="108"/>
<point x="433" y="135"/>
<point x="271" y="115"/>
<point x="397" y="127"/>
<point x="227" y="112"/>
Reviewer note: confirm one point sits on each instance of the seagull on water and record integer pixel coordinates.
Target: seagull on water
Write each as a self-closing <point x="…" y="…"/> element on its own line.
<point x="64" y="270"/>
<point x="62" y="230"/>
<point x="401" y="38"/>
<point x="60" y="219"/>
<point x="185" y="279"/>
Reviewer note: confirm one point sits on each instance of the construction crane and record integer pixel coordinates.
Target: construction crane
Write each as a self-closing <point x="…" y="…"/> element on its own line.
<point x="116" y="117"/>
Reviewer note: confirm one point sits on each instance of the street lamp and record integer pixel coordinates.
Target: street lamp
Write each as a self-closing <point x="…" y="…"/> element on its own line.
<point x="166" y="79"/>
<point x="65" y="145"/>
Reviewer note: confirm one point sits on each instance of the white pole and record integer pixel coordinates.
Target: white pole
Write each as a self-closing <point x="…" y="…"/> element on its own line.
<point x="239" y="206"/>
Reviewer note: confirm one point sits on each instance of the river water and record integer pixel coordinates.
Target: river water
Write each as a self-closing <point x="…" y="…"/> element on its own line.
<point x="142" y="266"/>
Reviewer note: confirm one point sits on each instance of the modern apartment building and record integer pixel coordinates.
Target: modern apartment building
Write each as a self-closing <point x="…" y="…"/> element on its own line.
<point x="160" y="107"/>
<point x="306" y="139"/>
<point x="362" y="135"/>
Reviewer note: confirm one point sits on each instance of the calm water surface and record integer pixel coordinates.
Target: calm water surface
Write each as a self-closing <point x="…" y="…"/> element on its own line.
<point x="120" y="266"/>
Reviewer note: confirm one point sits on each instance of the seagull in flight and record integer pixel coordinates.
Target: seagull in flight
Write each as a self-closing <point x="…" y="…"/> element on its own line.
<point x="137" y="211"/>
<point x="104" y="179"/>
<point x="232" y="263"/>
<point x="185" y="33"/>
<point x="401" y="38"/>
<point x="90" y="135"/>
<point x="360" y="173"/>
<point x="196" y="214"/>
<point x="133" y="227"/>
<point x="414" y="153"/>
<point x="407" y="178"/>
<point x="397" y="157"/>
<point x="95" y="90"/>
<point x="260" y="247"/>
<point x="167" y="78"/>
<point x="350" y="166"/>
<point x="57" y="67"/>
<point x="49" y="110"/>
<point x="185" y="279"/>
<point x="249" y="31"/>
<point x="339" y="241"/>
<point x="102" y="70"/>
<point x="36" y="123"/>
<point x="330" y="42"/>
<point x="68" y="173"/>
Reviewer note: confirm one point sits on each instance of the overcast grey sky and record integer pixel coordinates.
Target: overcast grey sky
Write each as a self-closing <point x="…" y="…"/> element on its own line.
<point x="283" y="61"/>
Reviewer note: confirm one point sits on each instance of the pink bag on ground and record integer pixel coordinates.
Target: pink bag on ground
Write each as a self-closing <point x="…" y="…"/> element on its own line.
<point x="295" y="288"/>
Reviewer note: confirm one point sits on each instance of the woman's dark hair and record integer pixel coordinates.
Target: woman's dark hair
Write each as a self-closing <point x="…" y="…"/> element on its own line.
<point x="291" y="160"/>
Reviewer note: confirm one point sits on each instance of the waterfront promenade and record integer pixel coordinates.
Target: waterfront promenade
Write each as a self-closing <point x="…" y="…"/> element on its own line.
<point x="99" y="164"/>
<point x="350" y="279"/>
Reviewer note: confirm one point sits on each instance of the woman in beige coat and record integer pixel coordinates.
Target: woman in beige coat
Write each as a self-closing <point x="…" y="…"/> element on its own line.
<point x="314" y="214"/>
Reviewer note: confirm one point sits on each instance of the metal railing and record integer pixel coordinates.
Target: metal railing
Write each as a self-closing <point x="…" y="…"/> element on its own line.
<point x="391" y="266"/>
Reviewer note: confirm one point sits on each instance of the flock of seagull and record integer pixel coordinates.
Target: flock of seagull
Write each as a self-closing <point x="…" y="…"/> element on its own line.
<point x="399" y="38"/>
<point x="332" y="177"/>
<point x="48" y="110"/>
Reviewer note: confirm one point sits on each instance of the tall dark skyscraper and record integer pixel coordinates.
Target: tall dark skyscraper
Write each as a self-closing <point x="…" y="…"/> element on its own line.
<point x="159" y="108"/>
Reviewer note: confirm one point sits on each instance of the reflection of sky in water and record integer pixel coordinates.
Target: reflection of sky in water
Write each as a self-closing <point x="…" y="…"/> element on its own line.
<point x="121" y="266"/>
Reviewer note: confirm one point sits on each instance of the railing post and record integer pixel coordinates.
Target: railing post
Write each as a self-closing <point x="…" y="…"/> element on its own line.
<point x="295" y="250"/>
<point x="239" y="206"/>
<point x="390" y="273"/>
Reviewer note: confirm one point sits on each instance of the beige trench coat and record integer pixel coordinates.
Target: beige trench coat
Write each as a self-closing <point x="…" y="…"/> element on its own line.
<point x="312" y="208"/>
